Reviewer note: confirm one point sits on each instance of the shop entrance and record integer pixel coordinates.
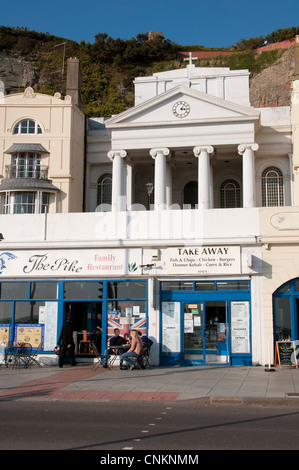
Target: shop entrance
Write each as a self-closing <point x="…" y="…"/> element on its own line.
<point x="86" y="318"/>
<point x="205" y="332"/>
<point x="205" y="322"/>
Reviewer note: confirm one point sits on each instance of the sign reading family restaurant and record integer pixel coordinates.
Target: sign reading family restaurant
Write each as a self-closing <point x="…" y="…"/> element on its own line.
<point x="203" y="260"/>
<point x="47" y="263"/>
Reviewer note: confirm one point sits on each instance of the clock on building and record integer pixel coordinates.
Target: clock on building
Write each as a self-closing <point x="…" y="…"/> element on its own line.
<point x="181" y="109"/>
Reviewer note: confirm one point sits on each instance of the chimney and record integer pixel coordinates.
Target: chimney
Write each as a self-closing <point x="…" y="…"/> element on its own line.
<point x="297" y="58"/>
<point x="73" y="81"/>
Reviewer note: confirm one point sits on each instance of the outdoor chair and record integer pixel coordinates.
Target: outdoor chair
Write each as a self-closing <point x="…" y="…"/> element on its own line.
<point x="142" y="360"/>
<point x="33" y="357"/>
<point x="23" y="355"/>
<point x="98" y="357"/>
<point x="9" y="354"/>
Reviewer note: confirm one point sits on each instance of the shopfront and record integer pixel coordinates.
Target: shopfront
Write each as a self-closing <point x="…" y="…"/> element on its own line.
<point x="286" y="311"/>
<point x="34" y="311"/>
<point x="206" y="322"/>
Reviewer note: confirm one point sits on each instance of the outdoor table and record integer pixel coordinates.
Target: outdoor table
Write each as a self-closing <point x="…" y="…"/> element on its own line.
<point x="17" y="353"/>
<point x="112" y="357"/>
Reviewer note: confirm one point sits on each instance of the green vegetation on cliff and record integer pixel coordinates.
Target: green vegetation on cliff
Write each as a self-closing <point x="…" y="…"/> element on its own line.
<point x="108" y="66"/>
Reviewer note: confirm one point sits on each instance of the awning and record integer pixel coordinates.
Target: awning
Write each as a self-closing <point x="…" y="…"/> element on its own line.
<point x="22" y="148"/>
<point x="27" y="184"/>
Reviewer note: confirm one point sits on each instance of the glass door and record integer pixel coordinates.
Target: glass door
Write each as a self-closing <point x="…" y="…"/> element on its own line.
<point x="194" y="337"/>
<point x="206" y="332"/>
<point x="216" y="332"/>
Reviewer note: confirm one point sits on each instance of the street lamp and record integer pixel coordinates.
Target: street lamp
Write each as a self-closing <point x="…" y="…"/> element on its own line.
<point x="149" y="188"/>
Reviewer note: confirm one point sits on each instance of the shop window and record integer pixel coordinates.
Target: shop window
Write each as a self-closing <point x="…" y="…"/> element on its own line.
<point x="177" y="285"/>
<point x="296" y="286"/>
<point x="27" y="312"/>
<point x="204" y="286"/>
<point x="126" y="315"/>
<point x="233" y="285"/>
<point x="43" y="290"/>
<point x="126" y="289"/>
<point x="282" y="319"/>
<point x="83" y="290"/>
<point x="14" y="290"/>
<point x="5" y="312"/>
<point x="284" y="289"/>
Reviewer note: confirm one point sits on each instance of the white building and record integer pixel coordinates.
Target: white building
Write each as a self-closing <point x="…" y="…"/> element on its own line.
<point x="171" y="239"/>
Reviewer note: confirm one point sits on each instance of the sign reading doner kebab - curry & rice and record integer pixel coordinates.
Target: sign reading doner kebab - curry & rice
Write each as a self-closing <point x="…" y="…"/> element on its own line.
<point x="203" y="260"/>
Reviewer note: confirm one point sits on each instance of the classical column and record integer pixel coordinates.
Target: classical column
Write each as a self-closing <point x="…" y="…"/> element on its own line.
<point x="159" y="155"/>
<point x="247" y="151"/>
<point x="118" y="196"/>
<point x="169" y="165"/>
<point x="204" y="175"/>
<point x="129" y="183"/>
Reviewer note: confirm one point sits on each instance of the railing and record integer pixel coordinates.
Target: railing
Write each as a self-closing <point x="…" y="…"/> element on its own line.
<point x="26" y="171"/>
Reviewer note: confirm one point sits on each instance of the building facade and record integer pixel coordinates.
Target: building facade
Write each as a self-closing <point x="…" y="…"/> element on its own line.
<point x="42" y="153"/>
<point x="182" y="231"/>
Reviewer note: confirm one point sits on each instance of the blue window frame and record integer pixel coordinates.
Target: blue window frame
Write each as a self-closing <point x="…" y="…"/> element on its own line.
<point x="286" y="311"/>
<point x="23" y="301"/>
<point x="205" y="293"/>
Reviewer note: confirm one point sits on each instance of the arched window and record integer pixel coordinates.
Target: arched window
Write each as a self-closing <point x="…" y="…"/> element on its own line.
<point x="230" y="194"/>
<point x="104" y="189"/>
<point x="272" y="187"/>
<point x="27" y="126"/>
<point x="286" y="311"/>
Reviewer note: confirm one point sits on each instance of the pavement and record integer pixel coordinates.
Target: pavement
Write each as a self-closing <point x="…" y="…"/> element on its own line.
<point x="206" y="384"/>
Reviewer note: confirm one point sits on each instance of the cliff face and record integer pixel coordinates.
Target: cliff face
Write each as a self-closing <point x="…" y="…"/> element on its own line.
<point x="271" y="87"/>
<point x="16" y="72"/>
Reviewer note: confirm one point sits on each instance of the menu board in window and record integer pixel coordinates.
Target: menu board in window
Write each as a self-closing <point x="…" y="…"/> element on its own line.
<point x="240" y="327"/>
<point x="171" y="330"/>
<point x="48" y="314"/>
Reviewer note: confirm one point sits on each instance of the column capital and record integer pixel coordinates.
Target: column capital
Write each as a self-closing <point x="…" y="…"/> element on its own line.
<point x="163" y="150"/>
<point x="242" y="147"/>
<point x="113" y="153"/>
<point x="203" y="148"/>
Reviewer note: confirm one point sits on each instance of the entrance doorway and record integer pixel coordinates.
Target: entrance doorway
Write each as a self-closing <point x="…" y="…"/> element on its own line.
<point x="86" y="317"/>
<point x="191" y="194"/>
<point x="205" y="332"/>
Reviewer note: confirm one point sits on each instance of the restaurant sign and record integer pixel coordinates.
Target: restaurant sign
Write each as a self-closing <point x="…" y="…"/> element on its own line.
<point x="92" y="262"/>
<point x="203" y="260"/>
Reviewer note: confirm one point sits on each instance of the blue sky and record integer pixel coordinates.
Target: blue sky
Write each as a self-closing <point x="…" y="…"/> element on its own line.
<point x="212" y="23"/>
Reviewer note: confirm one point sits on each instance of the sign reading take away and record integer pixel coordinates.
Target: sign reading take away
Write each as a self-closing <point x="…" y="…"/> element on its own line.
<point x="203" y="260"/>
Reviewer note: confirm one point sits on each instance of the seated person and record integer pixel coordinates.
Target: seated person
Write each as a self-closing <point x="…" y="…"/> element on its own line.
<point x="116" y="340"/>
<point x="145" y="340"/>
<point x="134" y="351"/>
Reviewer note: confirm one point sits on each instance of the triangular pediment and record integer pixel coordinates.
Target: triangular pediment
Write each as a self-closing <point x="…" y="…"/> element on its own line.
<point x="182" y="105"/>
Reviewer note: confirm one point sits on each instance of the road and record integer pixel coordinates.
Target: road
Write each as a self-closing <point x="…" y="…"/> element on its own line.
<point x="35" y="425"/>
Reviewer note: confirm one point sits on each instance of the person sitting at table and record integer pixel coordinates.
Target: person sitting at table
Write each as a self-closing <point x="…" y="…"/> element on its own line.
<point x="116" y="340"/>
<point x="145" y="340"/>
<point x="134" y="351"/>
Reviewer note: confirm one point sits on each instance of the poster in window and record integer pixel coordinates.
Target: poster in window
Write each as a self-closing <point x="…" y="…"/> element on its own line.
<point x="29" y="333"/>
<point x="171" y="327"/>
<point x="240" y="327"/>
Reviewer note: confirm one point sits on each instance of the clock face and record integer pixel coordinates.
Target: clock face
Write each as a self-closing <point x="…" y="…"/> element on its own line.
<point x="181" y="109"/>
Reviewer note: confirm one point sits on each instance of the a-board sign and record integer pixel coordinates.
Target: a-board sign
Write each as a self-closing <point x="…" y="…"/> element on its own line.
<point x="285" y="354"/>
